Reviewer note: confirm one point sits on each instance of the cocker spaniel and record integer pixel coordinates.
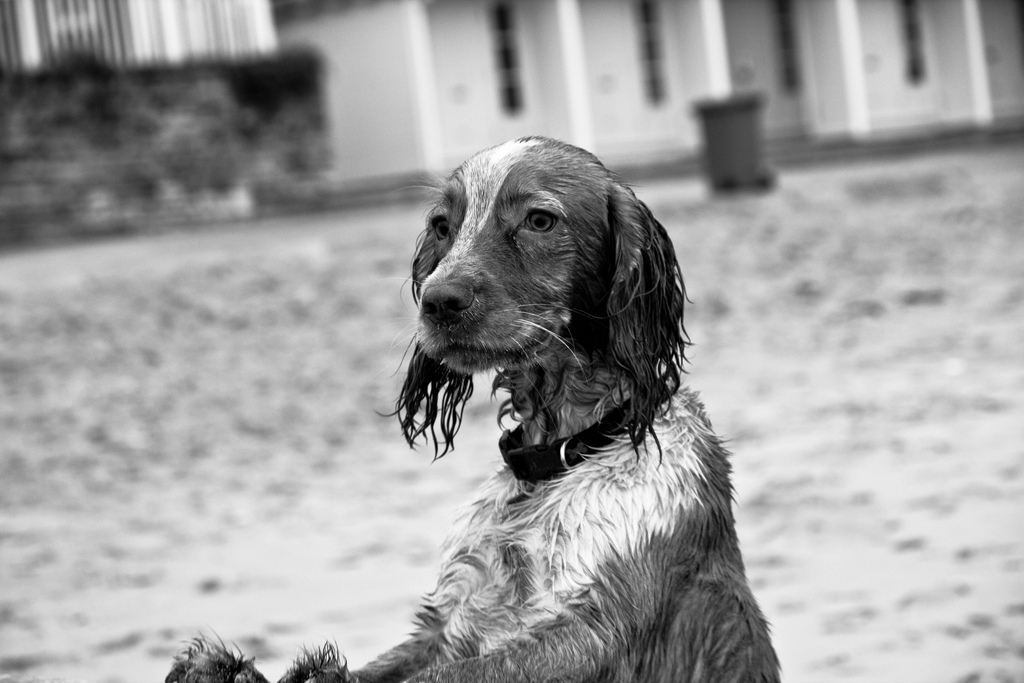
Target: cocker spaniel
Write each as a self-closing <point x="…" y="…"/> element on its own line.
<point x="605" y="549"/>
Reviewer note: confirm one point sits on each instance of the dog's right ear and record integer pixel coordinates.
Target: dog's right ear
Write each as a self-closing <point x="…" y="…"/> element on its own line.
<point x="440" y="393"/>
<point x="430" y="386"/>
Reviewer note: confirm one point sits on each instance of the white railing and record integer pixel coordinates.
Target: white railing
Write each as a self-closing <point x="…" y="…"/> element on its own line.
<point x="35" y="34"/>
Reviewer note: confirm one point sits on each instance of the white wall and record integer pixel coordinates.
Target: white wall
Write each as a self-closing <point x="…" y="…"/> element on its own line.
<point x="692" y="53"/>
<point x="894" y="101"/>
<point x="953" y="64"/>
<point x="1004" y="55"/>
<point x="369" y="88"/>
<point x="827" y="92"/>
<point x="625" y="125"/>
<point x="465" y="59"/>
<point x="546" y="78"/>
<point x="755" y="63"/>
<point x="412" y="86"/>
<point x="466" y="85"/>
<point x="625" y="122"/>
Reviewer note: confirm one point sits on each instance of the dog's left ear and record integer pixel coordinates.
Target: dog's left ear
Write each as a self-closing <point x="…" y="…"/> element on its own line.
<point x="430" y="387"/>
<point x="646" y="339"/>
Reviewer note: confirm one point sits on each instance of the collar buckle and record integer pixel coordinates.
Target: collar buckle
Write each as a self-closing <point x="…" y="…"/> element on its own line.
<point x="541" y="462"/>
<point x="533" y="463"/>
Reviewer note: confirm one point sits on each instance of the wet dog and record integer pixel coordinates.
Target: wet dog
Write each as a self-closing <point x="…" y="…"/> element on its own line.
<point x="605" y="548"/>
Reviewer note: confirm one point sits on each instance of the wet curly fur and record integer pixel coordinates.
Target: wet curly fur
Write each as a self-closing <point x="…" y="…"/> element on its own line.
<point x="538" y="264"/>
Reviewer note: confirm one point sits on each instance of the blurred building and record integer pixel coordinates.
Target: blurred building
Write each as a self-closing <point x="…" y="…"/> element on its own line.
<point x="36" y="34"/>
<point x="414" y="85"/>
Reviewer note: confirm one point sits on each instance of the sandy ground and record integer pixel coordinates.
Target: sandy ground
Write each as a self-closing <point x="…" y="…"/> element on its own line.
<point x="189" y="437"/>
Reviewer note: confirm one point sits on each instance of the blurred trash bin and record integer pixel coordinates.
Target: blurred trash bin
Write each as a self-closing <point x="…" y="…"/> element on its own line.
<point x="732" y="143"/>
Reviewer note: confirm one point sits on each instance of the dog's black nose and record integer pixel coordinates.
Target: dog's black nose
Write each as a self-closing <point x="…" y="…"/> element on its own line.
<point x="444" y="302"/>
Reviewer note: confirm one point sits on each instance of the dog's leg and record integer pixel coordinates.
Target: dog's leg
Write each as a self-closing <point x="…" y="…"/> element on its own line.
<point x="568" y="653"/>
<point x="400" y="663"/>
<point x="565" y="651"/>
<point x="208" y="661"/>
<point x="710" y="629"/>
<point x="319" y="666"/>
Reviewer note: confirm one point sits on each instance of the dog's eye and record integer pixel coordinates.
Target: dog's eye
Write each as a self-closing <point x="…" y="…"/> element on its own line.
<point x="541" y="221"/>
<point x="439" y="224"/>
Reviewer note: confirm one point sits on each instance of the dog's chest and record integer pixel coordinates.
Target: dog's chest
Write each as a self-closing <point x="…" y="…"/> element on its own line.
<point x="512" y="562"/>
<point x="519" y="558"/>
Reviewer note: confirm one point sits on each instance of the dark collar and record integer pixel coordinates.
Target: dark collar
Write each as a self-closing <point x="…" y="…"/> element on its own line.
<point x="548" y="460"/>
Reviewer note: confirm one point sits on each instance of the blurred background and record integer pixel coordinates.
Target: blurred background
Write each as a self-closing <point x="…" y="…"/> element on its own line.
<point x="207" y="213"/>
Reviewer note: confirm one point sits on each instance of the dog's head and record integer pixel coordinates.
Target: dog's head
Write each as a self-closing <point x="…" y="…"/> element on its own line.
<point x="533" y="249"/>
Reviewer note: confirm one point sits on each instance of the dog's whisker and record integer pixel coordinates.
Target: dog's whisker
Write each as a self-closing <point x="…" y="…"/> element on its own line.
<point x="558" y="338"/>
<point x="401" y="333"/>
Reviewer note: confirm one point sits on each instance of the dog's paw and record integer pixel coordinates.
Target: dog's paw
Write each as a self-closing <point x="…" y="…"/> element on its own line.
<point x="325" y="665"/>
<point x="206" y="661"/>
